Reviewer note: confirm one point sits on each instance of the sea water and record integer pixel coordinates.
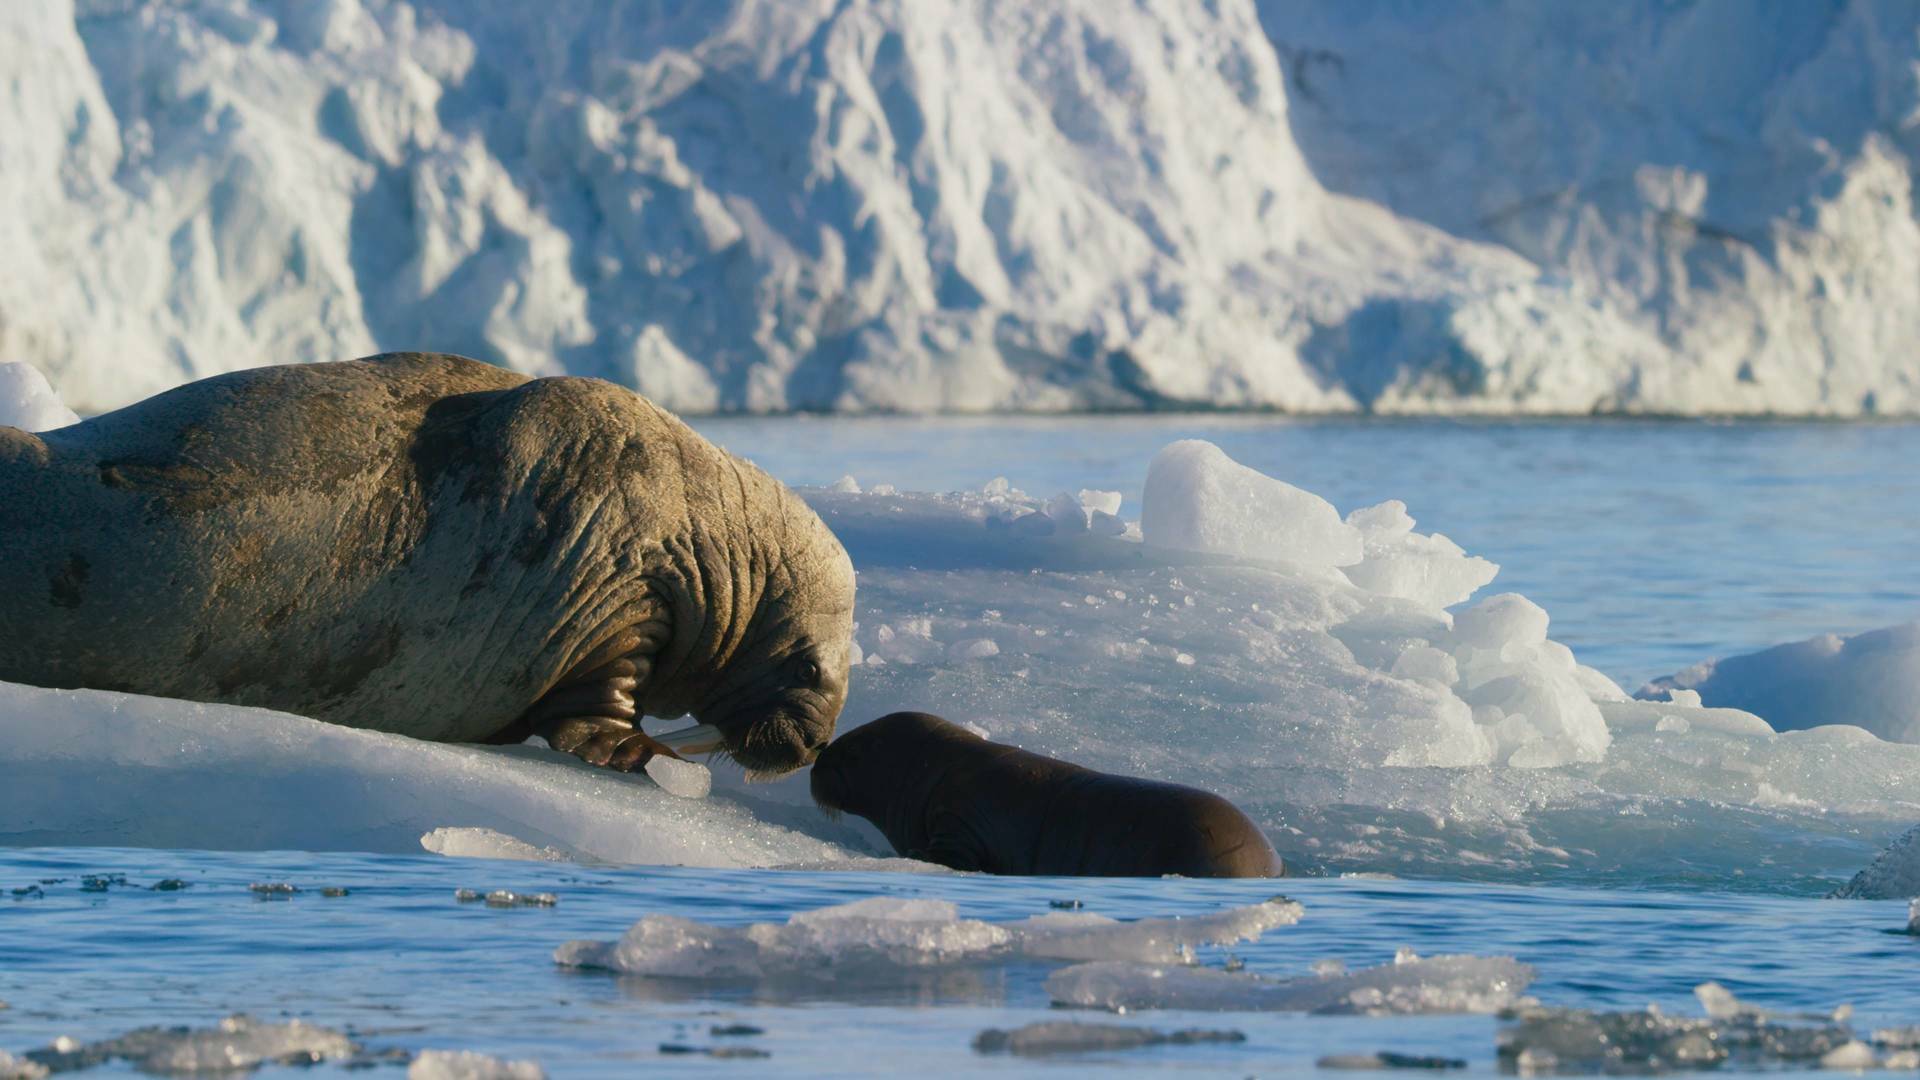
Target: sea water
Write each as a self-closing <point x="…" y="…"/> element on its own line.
<point x="1654" y="545"/>
<point x="400" y="964"/>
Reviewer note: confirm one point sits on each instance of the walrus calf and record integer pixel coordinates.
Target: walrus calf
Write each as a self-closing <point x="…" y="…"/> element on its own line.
<point x="943" y="794"/>
<point x="432" y="546"/>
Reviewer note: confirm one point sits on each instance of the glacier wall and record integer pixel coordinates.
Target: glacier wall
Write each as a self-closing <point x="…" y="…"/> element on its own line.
<point x="969" y="205"/>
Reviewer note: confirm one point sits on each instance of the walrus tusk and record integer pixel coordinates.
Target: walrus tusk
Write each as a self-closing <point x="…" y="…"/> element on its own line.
<point x="698" y="739"/>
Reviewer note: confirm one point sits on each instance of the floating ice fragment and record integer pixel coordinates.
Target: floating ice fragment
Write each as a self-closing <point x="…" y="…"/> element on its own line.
<point x="1441" y="984"/>
<point x="846" y="485"/>
<point x="13" y="1068"/>
<point x="469" y="1065"/>
<point x="502" y="898"/>
<point x="1101" y="502"/>
<point x="1075" y="1037"/>
<point x="236" y="1043"/>
<point x="1199" y="499"/>
<point x="882" y="935"/>
<point x="476" y="843"/>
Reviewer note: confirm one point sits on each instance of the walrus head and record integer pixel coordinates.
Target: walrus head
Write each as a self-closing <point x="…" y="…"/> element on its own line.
<point x="881" y="770"/>
<point x="771" y="696"/>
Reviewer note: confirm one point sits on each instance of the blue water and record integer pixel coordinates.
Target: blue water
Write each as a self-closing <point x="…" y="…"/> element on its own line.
<point x="1653" y="545"/>
<point x="400" y="964"/>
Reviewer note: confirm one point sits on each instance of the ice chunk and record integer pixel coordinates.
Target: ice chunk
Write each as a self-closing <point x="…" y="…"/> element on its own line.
<point x="487" y="844"/>
<point x="1500" y="623"/>
<point x="1101" y="502"/>
<point x="1428" y="569"/>
<point x="469" y="1065"/>
<point x="28" y="401"/>
<point x="1869" y="680"/>
<point x="846" y="485"/>
<point x="1199" y="499"/>
<point x="1067" y="514"/>
<point x="1076" y="1037"/>
<point x="882" y="935"/>
<point x="235" y="1044"/>
<point x="683" y="779"/>
<point x="1441" y="984"/>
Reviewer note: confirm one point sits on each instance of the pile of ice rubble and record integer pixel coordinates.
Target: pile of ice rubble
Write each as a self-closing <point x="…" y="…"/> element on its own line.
<point x="241" y="1044"/>
<point x="1332" y="674"/>
<point x="1118" y="966"/>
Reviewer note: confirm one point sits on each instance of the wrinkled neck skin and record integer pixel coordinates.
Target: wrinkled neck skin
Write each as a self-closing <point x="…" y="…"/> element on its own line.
<point x="749" y="591"/>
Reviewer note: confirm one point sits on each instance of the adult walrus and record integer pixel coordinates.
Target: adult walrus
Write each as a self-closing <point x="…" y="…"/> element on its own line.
<point x="941" y="793"/>
<point x="427" y="545"/>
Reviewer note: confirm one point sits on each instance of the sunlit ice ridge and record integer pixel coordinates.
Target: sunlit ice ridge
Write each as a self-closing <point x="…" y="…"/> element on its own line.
<point x="1052" y="206"/>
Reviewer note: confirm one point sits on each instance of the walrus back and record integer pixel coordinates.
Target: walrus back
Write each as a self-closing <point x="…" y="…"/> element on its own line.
<point x="204" y="542"/>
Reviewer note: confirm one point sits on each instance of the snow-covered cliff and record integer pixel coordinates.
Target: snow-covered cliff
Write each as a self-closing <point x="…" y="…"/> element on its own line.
<point x="968" y="204"/>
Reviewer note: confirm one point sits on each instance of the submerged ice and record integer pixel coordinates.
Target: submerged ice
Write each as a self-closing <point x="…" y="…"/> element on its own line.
<point x="882" y="936"/>
<point x="1410" y="984"/>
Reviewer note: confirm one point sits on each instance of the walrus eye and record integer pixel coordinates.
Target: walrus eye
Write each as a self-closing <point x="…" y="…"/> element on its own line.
<point x="805" y="671"/>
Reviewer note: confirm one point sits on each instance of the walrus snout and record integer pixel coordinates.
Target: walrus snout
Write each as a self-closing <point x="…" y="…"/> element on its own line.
<point x="777" y="741"/>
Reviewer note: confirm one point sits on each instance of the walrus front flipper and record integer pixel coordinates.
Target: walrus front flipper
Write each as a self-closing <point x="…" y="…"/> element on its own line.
<point x="591" y="713"/>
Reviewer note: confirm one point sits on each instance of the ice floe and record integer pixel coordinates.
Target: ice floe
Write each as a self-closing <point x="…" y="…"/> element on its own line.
<point x="882" y="936"/>
<point x="1409" y="984"/>
<point x="1869" y="680"/>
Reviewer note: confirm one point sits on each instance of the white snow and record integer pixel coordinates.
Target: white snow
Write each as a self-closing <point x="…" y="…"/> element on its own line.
<point x="469" y="1065"/>
<point x="1869" y="680"/>
<point x="882" y="936"/>
<point x="961" y="205"/>
<point x="1440" y="984"/>
<point x="28" y="401"/>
